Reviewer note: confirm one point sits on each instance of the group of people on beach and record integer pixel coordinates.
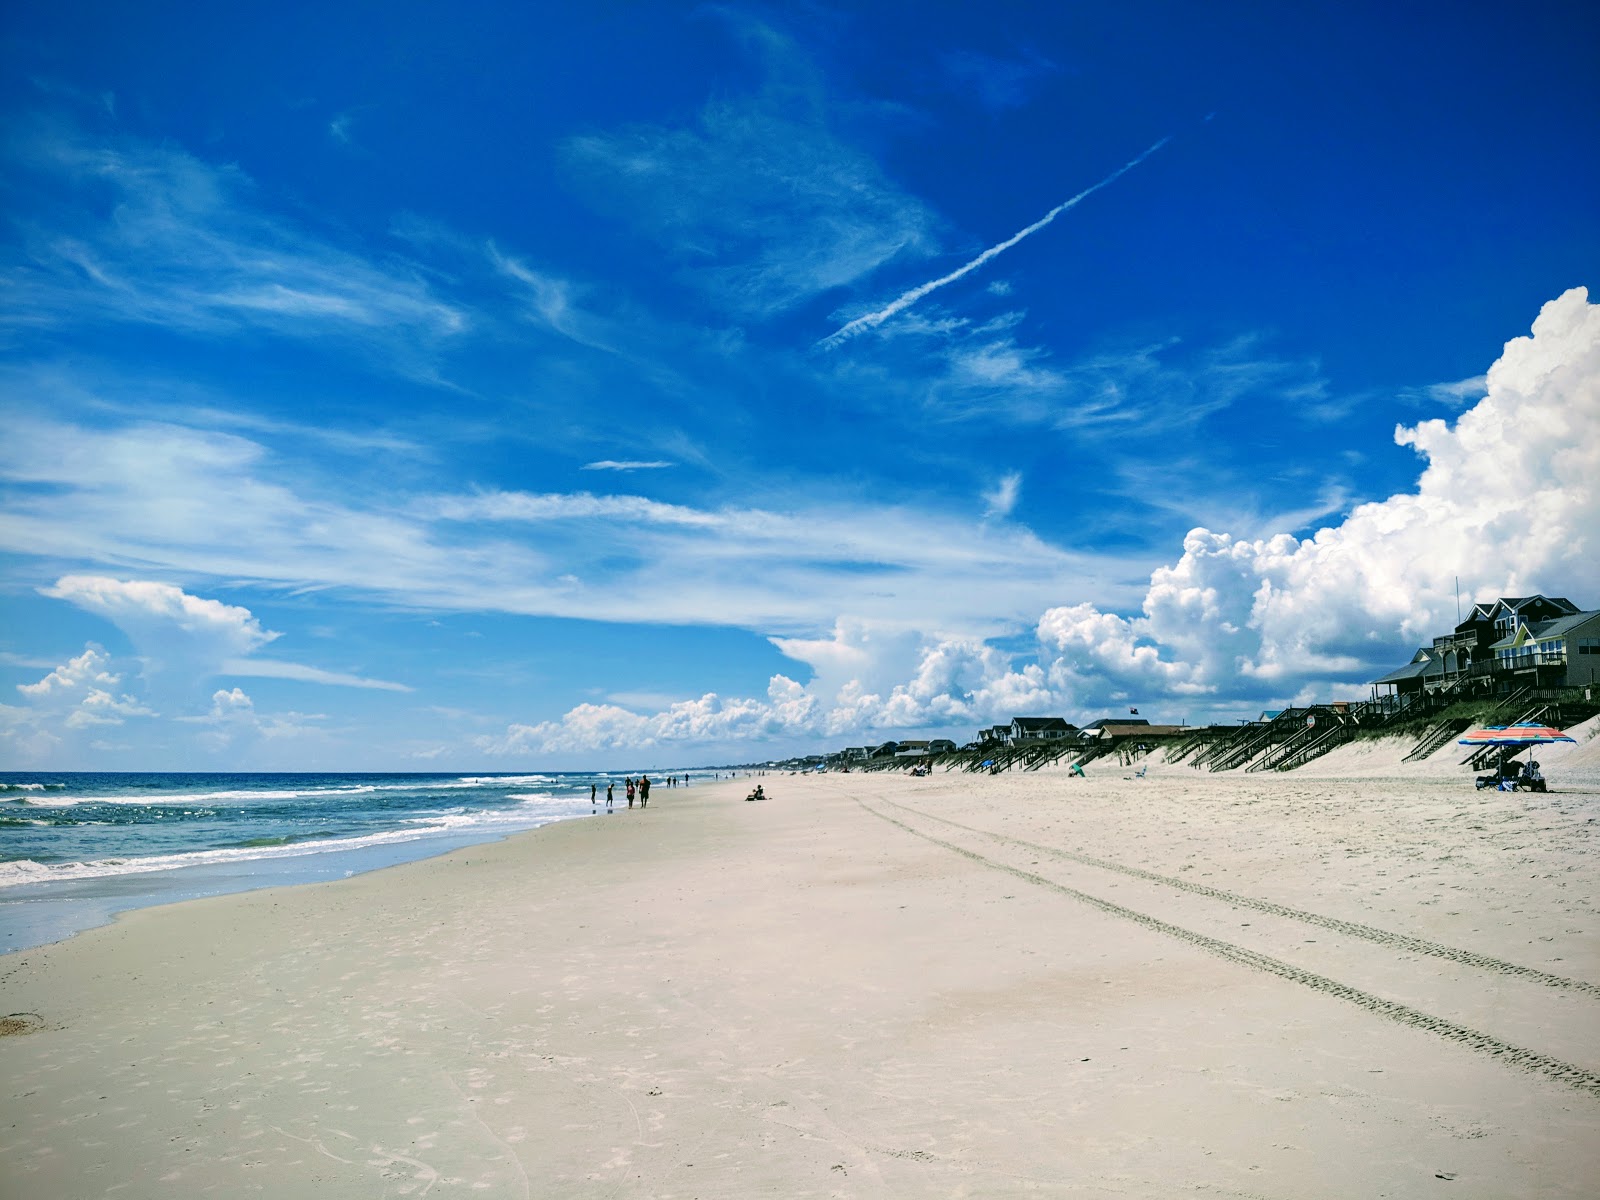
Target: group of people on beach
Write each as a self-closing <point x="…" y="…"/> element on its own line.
<point x="633" y="789"/>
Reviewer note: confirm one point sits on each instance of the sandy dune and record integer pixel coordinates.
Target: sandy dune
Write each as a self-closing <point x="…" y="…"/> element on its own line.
<point x="1354" y="984"/>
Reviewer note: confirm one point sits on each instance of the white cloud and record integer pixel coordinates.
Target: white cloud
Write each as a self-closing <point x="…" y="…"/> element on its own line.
<point x="761" y="201"/>
<point x="172" y="628"/>
<point x="89" y="670"/>
<point x="607" y="464"/>
<point x="158" y="613"/>
<point x="1509" y="500"/>
<point x="204" y="505"/>
<point x="871" y="320"/>
<point x="1460" y="392"/>
<point x="1000" y="501"/>
<point x="268" y="668"/>
<point x="194" y="248"/>
<point x="860" y="684"/>
<point x="688" y="722"/>
<point x="234" y="724"/>
<point x="77" y="695"/>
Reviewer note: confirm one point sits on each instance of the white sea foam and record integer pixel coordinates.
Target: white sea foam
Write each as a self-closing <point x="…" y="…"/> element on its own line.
<point x="502" y="780"/>
<point x="313" y="793"/>
<point x="24" y="871"/>
<point x="237" y="794"/>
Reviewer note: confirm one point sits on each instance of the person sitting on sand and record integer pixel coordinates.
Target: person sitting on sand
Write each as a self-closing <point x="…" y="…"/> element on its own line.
<point x="1076" y="770"/>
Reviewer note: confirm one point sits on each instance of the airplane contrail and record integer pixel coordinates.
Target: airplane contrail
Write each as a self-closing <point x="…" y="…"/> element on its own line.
<point x="873" y="319"/>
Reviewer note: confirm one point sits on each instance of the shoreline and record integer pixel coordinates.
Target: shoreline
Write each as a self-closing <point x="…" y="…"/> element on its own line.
<point x="866" y="985"/>
<point x="133" y="840"/>
<point x="51" y="911"/>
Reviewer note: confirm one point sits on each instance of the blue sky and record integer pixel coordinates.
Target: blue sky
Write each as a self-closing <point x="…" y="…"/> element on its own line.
<point x="388" y="387"/>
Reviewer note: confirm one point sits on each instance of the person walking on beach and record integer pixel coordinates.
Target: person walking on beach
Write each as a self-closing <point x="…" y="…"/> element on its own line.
<point x="592" y="788"/>
<point x="644" y="791"/>
<point x="610" y="787"/>
<point x="629" y="781"/>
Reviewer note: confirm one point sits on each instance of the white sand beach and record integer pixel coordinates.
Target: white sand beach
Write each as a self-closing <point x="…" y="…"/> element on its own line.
<point x="1370" y="980"/>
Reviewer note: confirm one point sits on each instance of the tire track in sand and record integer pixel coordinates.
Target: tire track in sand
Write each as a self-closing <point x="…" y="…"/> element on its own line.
<point x="1519" y="1056"/>
<point x="1382" y="937"/>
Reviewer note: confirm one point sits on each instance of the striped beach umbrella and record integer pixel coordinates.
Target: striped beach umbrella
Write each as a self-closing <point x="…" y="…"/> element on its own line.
<point x="1523" y="733"/>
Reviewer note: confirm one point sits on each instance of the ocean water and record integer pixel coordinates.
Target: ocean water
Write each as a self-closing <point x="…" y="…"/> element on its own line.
<point x="76" y="848"/>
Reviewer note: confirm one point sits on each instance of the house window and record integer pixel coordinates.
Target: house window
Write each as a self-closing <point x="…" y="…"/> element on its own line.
<point x="1553" y="651"/>
<point x="1589" y="645"/>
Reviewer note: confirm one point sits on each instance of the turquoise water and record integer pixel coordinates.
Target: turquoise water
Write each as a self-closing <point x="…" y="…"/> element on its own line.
<point x="77" y="847"/>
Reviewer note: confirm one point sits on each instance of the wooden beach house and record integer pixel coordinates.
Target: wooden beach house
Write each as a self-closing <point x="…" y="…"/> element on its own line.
<point x="1561" y="652"/>
<point x="1502" y="645"/>
<point x="1040" y="729"/>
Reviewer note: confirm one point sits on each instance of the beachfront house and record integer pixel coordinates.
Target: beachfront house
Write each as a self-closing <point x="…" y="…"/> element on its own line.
<point x="1129" y="729"/>
<point x="1425" y="672"/>
<point x="1561" y="652"/>
<point x="995" y="737"/>
<point x="1509" y="643"/>
<point x="941" y="746"/>
<point x="1036" y="729"/>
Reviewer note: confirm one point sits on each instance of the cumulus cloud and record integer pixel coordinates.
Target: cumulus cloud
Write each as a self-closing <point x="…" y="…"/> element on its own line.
<point x="78" y="695"/>
<point x="859" y="685"/>
<point x="710" y="718"/>
<point x="172" y="628"/>
<point x="1508" y="500"/>
<point x="233" y="722"/>
<point x="89" y="670"/>
<point x="161" y="614"/>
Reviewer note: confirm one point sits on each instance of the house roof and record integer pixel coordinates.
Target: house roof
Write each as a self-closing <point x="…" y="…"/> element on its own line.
<point x="1517" y="603"/>
<point x="1041" y="723"/>
<point x="1102" y="722"/>
<point x="1112" y="729"/>
<point x="1423" y="662"/>
<point x="1539" y="631"/>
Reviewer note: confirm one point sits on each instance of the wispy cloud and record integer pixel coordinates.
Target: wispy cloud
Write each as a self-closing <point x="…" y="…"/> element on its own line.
<point x="194" y="248"/>
<point x="1003" y="498"/>
<point x="272" y="669"/>
<point x="1456" y="395"/>
<point x="607" y="464"/>
<point x="761" y="201"/>
<point x="999" y="83"/>
<point x="203" y="506"/>
<point x="906" y="299"/>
